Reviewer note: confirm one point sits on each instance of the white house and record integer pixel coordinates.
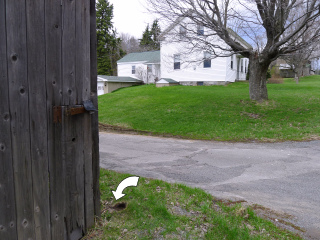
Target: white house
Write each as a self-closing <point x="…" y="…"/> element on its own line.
<point x="177" y="62"/>
<point x="142" y="65"/>
<point x="190" y="62"/>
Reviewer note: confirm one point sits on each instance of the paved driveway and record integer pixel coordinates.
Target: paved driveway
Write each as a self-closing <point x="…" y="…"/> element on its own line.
<point x="284" y="177"/>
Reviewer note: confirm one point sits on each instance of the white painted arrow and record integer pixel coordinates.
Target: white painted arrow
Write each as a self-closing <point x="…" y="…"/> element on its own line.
<point x="128" y="182"/>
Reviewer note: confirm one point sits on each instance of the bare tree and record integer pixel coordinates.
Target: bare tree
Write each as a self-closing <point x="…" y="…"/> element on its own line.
<point x="129" y="43"/>
<point x="309" y="50"/>
<point x="302" y="58"/>
<point x="145" y="75"/>
<point x="315" y="63"/>
<point x="265" y="24"/>
<point x="141" y="74"/>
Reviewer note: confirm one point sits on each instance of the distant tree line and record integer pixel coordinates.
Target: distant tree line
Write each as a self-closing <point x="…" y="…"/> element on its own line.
<point x="148" y="42"/>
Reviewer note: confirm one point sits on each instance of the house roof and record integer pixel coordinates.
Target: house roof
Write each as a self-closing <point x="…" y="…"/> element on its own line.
<point x="170" y="27"/>
<point x="237" y="37"/>
<point x="147" y="57"/>
<point x="117" y="79"/>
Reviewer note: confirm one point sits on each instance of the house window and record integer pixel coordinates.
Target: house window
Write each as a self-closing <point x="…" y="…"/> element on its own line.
<point x="207" y="60"/>
<point x="176" y="61"/>
<point x="200" y="30"/>
<point x="245" y="66"/>
<point x="241" y="62"/>
<point x="149" y="68"/>
<point x="182" y="32"/>
<point x="133" y="69"/>
<point x="231" y="66"/>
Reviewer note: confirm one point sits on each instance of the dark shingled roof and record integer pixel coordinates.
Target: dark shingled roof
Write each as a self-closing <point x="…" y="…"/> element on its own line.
<point x="148" y="57"/>
<point x="118" y="79"/>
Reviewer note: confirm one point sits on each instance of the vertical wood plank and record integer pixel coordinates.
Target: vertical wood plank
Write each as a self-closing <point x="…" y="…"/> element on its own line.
<point x="94" y="117"/>
<point x="73" y="126"/>
<point x="83" y="93"/>
<point x="7" y="197"/>
<point x="68" y="52"/>
<point x="54" y="84"/>
<point x="79" y="120"/>
<point x="19" y="107"/>
<point x="38" y="115"/>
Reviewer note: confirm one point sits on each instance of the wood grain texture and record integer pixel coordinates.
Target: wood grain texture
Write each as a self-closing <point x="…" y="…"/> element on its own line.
<point x="19" y="108"/>
<point x="47" y="169"/>
<point x="83" y="85"/>
<point x="38" y="115"/>
<point x="94" y="117"/>
<point x="56" y="156"/>
<point x="8" y="228"/>
<point x="73" y="126"/>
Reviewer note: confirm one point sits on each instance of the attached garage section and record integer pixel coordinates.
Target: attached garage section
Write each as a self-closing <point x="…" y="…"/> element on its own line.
<point x="108" y="84"/>
<point x="100" y="86"/>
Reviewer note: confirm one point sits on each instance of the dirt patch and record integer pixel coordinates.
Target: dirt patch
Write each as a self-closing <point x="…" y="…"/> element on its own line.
<point x="123" y="130"/>
<point x="116" y="129"/>
<point x="280" y="219"/>
<point x="251" y="115"/>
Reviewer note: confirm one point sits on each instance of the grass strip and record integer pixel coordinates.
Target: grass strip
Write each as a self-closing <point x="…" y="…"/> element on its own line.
<point x="159" y="210"/>
<point x="222" y="113"/>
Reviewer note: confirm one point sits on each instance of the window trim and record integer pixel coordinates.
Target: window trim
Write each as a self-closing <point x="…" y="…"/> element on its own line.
<point x="241" y="64"/>
<point x="182" y="31"/>
<point x="200" y="30"/>
<point x="206" y="59"/>
<point x="245" y="66"/>
<point x="176" y="61"/>
<point x="231" y="64"/>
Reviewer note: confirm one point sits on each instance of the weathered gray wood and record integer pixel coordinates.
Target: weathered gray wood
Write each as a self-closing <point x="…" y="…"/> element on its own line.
<point x="83" y="93"/>
<point x="73" y="126"/>
<point x="19" y="108"/>
<point x="56" y="156"/>
<point x="47" y="168"/>
<point x="94" y="118"/>
<point x="38" y="116"/>
<point x="7" y="196"/>
<point x="68" y="52"/>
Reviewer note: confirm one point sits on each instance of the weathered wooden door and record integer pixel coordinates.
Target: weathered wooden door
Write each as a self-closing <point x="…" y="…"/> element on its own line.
<point x="49" y="164"/>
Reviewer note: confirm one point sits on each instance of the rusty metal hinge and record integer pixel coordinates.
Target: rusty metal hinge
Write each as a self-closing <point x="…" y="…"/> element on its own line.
<point x="57" y="114"/>
<point x="59" y="111"/>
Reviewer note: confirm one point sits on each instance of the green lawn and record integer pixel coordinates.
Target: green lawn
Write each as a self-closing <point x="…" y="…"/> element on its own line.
<point x="218" y="112"/>
<point x="159" y="210"/>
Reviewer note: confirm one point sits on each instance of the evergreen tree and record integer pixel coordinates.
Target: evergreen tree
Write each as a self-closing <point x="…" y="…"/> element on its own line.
<point x="155" y="33"/>
<point x="108" y="45"/>
<point x="150" y="37"/>
<point x="146" y="41"/>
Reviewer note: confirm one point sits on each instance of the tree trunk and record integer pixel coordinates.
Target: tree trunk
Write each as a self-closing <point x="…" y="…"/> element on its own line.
<point x="258" y="79"/>
<point x="298" y="72"/>
<point x="296" y="77"/>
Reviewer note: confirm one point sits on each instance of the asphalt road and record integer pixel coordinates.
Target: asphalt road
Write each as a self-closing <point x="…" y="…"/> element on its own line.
<point x="284" y="177"/>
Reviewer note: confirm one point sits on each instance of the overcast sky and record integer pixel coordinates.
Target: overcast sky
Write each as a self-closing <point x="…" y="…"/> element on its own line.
<point x="130" y="16"/>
